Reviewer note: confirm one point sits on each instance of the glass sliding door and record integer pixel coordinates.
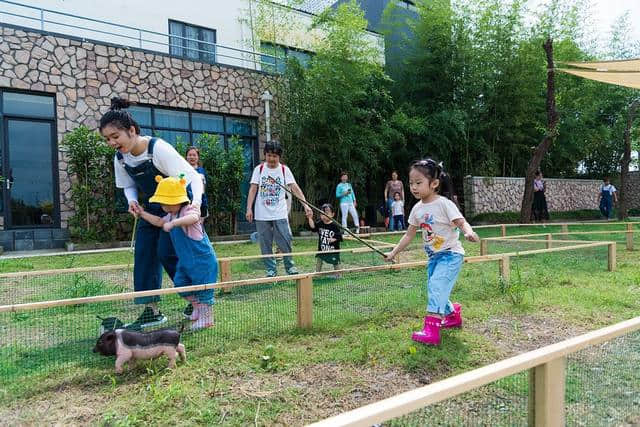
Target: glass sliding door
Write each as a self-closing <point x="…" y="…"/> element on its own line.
<point x="29" y="179"/>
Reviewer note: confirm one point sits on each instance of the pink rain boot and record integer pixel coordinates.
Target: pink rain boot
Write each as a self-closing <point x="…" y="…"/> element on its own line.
<point x="430" y="335"/>
<point x="453" y="320"/>
<point x="205" y="318"/>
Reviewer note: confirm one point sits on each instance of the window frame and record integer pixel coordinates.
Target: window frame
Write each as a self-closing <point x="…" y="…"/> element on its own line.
<point x="225" y="134"/>
<point x="5" y="210"/>
<point x="183" y="42"/>
<point x="266" y="67"/>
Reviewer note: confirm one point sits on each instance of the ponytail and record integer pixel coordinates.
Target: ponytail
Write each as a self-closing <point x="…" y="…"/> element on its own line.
<point x="118" y="116"/>
<point x="433" y="170"/>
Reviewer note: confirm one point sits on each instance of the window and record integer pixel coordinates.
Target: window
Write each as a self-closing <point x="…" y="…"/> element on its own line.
<point x="192" y="42"/>
<point x="408" y="4"/>
<point x="187" y="126"/>
<point x="274" y="58"/>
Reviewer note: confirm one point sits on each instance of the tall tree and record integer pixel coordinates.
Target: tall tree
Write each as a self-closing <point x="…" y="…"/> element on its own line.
<point x="549" y="137"/>
<point x="626" y="160"/>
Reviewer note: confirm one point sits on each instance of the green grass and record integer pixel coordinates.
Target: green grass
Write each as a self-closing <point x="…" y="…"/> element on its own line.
<point x="358" y="350"/>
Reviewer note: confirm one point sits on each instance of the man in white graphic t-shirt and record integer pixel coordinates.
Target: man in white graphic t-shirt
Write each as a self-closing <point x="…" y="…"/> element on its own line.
<point x="271" y="211"/>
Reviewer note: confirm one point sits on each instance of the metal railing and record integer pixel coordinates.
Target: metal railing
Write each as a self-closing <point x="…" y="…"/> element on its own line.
<point x="127" y="36"/>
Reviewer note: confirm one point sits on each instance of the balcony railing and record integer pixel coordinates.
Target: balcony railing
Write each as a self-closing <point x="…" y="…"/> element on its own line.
<point x="103" y="31"/>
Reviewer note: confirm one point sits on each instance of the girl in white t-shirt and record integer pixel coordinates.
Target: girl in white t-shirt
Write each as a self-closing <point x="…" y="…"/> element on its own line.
<point x="439" y="220"/>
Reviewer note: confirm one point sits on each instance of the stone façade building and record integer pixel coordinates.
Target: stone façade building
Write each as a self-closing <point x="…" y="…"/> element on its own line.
<point x="50" y="84"/>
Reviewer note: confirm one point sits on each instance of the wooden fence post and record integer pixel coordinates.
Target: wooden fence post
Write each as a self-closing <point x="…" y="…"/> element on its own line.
<point x="483" y="247"/>
<point x="546" y="394"/>
<point x="304" y="290"/>
<point x="225" y="273"/>
<point x="629" y="237"/>
<point x="504" y="266"/>
<point x="612" y="257"/>
<point x="565" y="228"/>
<point x="503" y="230"/>
<point x="549" y="240"/>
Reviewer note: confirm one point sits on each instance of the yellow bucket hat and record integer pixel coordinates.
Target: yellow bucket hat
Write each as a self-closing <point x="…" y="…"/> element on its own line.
<point x="170" y="191"/>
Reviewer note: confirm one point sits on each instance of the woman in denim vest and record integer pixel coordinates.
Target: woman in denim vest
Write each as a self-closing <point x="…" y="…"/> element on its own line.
<point x="138" y="160"/>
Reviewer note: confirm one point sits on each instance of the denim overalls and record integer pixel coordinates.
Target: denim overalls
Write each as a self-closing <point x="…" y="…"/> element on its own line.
<point x="153" y="246"/>
<point x="606" y="202"/>
<point x="197" y="264"/>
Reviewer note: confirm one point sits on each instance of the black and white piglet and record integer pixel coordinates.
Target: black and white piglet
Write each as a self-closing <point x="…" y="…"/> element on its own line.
<point x="128" y="346"/>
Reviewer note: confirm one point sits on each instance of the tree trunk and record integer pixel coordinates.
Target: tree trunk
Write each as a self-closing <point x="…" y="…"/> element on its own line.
<point x="626" y="160"/>
<point x="543" y="147"/>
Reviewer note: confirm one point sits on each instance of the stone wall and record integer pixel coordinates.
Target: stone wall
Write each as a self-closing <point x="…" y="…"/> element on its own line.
<point x="488" y="194"/>
<point x="633" y="190"/>
<point x="85" y="75"/>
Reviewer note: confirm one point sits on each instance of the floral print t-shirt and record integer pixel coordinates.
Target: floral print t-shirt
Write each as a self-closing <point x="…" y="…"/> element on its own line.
<point x="435" y="220"/>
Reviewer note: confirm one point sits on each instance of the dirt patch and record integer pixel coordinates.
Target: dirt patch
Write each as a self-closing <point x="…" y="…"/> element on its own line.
<point x="518" y="334"/>
<point x="324" y="390"/>
<point x="66" y="407"/>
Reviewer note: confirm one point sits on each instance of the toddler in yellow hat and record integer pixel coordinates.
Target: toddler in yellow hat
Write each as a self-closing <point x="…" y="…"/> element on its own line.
<point x="197" y="263"/>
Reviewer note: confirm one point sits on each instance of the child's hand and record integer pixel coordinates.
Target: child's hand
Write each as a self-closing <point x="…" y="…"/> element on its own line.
<point x="167" y="226"/>
<point x="472" y="237"/>
<point x="309" y="214"/>
<point x="332" y="240"/>
<point x="135" y="209"/>
<point x="389" y="257"/>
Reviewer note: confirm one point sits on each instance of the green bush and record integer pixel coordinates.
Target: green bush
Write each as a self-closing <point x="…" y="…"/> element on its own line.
<point x="92" y="190"/>
<point x="224" y="179"/>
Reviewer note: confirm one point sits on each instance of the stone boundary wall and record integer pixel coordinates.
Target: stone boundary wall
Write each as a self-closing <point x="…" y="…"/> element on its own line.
<point x="85" y="75"/>
<point x="499" y="194"/>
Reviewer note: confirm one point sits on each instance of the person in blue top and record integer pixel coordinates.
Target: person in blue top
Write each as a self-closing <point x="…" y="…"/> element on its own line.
<point x="347" y="199"/>
<point x="137" y="162"/>
<point x="193" y="157"/>
<point x="608" y="194"/>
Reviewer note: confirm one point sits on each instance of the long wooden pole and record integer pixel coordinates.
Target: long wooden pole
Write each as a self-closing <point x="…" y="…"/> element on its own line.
<point x="319" y="211"/>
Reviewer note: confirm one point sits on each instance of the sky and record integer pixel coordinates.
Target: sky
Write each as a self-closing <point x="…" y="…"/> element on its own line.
<point x="606" y="12"/>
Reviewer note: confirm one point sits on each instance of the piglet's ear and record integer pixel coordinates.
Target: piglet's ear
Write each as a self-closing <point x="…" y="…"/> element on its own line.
<point x="158" y="178"/>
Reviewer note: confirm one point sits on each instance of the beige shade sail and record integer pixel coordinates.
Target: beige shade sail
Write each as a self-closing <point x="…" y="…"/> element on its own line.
<point x="631" y="80"/>
<point x="627" y="65"/>
<point x="622" y="73"/>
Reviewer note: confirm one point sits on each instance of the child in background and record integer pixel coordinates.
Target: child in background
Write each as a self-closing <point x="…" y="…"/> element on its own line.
<point x="197" y="263"/>
<point x="397" y="208"/>
<point x="329" y="238"/>
<point x="439" y="219"/>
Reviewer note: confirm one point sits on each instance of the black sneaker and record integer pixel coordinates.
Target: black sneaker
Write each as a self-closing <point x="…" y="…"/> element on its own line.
<point x="188" y="311"/>
<point x="146" y="320"/>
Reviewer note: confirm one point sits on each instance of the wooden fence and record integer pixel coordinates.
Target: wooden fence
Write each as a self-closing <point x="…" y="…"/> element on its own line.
<point x="547" y="371"/>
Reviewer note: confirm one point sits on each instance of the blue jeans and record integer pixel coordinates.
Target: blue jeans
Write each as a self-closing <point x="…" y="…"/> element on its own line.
<point x="153" y="251"/>
<point x="388" y="213"/>
<point x="606" y="207"/>
<point x="397" y="223"/>
<point x="442" y="272"/>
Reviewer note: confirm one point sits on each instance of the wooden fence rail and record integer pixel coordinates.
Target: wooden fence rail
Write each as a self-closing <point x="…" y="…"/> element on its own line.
<point x="304" y="282"/>
<point x="547" y="367"/>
